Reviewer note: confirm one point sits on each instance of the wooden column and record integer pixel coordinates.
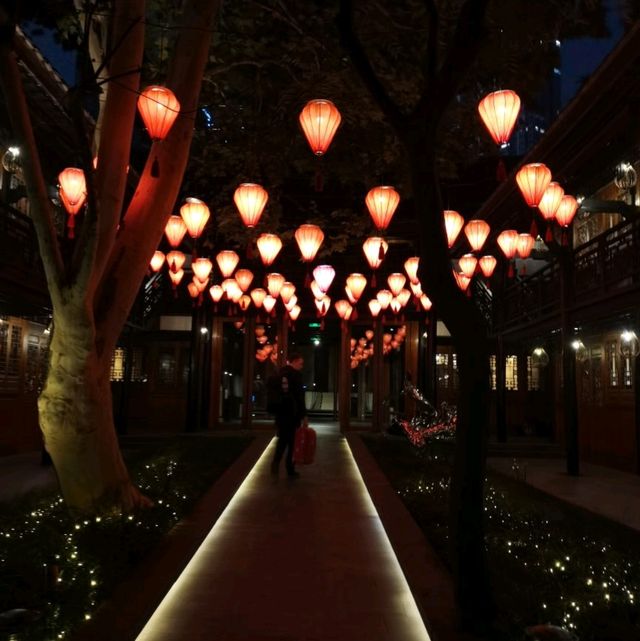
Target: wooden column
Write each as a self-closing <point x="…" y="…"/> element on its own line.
<point x="411" y="346"/>
<point x="215" y="347"/>
<point x="205" y="379"/>
<point x="376" y="376"/>
<point x="247" y="371"/>
<point x="283" y="341"/>
<point x="431" y="390"/>
<point x="193" y="382"/>
<point x="501" y="393"/>
<point x="344" y="377"/>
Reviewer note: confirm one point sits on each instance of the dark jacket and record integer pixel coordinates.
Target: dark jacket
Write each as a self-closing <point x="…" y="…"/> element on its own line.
<point x="293" y="408"/>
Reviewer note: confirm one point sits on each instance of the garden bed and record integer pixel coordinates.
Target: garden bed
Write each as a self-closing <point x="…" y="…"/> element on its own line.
<point x="550" y="562"/>
<point x="56" y="570"/>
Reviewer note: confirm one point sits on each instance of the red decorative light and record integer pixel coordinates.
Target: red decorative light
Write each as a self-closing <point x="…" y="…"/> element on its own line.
<point x="550" y="201"/>
<point x="274" y="283"/>
<point x="499" y="111"/>
<point x="315" y="290"/>
<point x="268" y="247"/>
<point x="287" y="292"/>
<point x="250" y="199"/>
<point x="319" y="121"/>
<point x="175" y="260"/>
<point x="244" y="277"/>
<point x="175" y="230"/>
<point x="176" y="276"/>
<point x="244" y="302"/>
<point x="384" y="297"/>
<point x="525" y="245"/>
<point x="404" y="296"/>
<point x="323" y="276"/>
<point x="343" y="307"/>
<point x="382" y="203"/>
<point x="461" y="280"/>
<point x="193" y="290"/>
<point x="216" y="292"/>
<point x="159" y="109"/>
<point x="227" y="261"/>
<point x="487" y="265"/>
<point x="395" y="305"/>
<point x="309" y="239"/>
<point x="453" y="222"/>
<point x="257" y="296"/>
<point x="566" y="210"/>
<point x="477" y="232"/>
<point x="157" y="261"/>
<point x="195" y="215"/>
<point x="508" y="242"/>
<point x="396" y="282"/>
<point x="426" y="303"/>
<point x="269" y="303"/>
<point x="202" y="268"/>
<point x="533" y="179"/>
<point x="291" y="303"/>
<point x="468" y="264"/>
<point x="411" y="267"/>
<point x="356" y="284"/>
<point x="323" y="304"/>
<point x="294" y="312"/>
<point x="73" y="189"/>
<point x="375" y="249"/>
<point x="416" y="288"/>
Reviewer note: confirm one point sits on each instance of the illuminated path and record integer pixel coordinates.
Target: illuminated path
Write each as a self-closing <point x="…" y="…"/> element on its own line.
<point x="293" y="560"/>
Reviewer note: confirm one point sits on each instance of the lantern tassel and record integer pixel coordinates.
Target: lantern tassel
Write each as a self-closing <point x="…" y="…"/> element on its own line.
<point x="307" y="279"/>
<point x="501" y="171"/>
<point x="374" y="283"/>
<point x="510" y="272"/>
<point x="249" y="251"/>
<point x="549" y="235"/>
<point x="322" y="325"/>
<point x="534" y="228"/>
<point x="565" y="237"/>
<point x="71" y="223"/>
<point x="155" y="168"/>
<point x="319" y="179"/>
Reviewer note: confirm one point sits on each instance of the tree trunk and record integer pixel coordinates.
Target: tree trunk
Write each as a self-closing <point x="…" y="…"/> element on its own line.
<point x="76" y="420"/>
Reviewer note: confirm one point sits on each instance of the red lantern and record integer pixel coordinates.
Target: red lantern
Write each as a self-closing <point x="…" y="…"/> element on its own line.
<point x="294" y="312"/>
<point x="416" y="288"/>
<point x="275" y="283"/>
<point x="477" y="232"/>
<point x="175" y="261"/>
<point x="382" y="203"/>
<point x="396" y="282"/>
<point x="356" y="284"/>
<point x="550" y="201"/>
<point x="323" y="276"/>
<point x="268" y="303"/>
<point x="508" y="242"/>
<point x="244" y="302"/>
<point x="375" y="249"/>
<point x="525" y="245"/>
<point x="453" y="222"/>
<point x="291" y="303"/>
<point x="257" y="296"/>
<point x="426" y="303"/>
<point x="216" y="293"/>
<point x="487" y="265"/>
<point x="319" y="121"/>
<point x="202" y="268"/>
<point x="343" y="307"/>
<point x="309" y="239"/>
<point x="404" y="297"/>
<point x="244" y="277"/>
<point x="499" y="111"/>
<point x="195" y="215"/>
<point x="566" y="210"/>
<point x="468" y="264"/>
<point x="227" y="261"/>
<point x="250" y="199"/>
<point x="157" y="260"/>
<point x="193" y="290"/>
<point x="395" y="305"/>
<point x="73" y="189"/>
<point x="533" y="179"/>
<point x="234" y="293"/>
<point x="287" y="292"/>
<point x="411" y="267"/>
<point x="323" y="304"/>
<point x="159" y="109"/>
<point x="268" y="246"/>
<point x="200" y="284"/>
<point x="384" y="297"/>
<point x="461" y="280"/>
<point x="375" y="307"/>
<point x="176" y="277"/>
<point x="175" y="230"/>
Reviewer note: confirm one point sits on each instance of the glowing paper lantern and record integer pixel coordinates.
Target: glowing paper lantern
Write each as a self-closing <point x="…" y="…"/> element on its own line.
<point x="244" y="302"/>
<point x="477" y="232"/>
<point x="323" y="276"/>
<point x="195" y="215"/>
<point x="350" y="297"/>
<point x="157" y="260"/>
<point x="293" y="301"/>
<point x="426" y="303"/>
<point x="227" y="261"/>
<point x="234" y="293"/>
<point x="269" y="303"/>
<point x="287" y="292"/>
<point x="159" y="109"/>
<point x="566" y="210"/>
<point x="368" y="334"/>
<point x="382" y="203"/>
<point x="257" y="296"/>
<point x="375" y="249"/>
<point x="403" y="297"/>
<point x="319" y="121"/>
<point x="525" y="245"/>
<point x="73" y="189"/>
<point x="395" y="305"/>
<point x="268" y="247"/>
<point x="487" y="265"/>
<point x="227" y="283"/>
<point x="508" y="242"/>
<point x="294" y="312"/>
<point x="192" y="288"/>
<point x="274" y="283"/>
<point x="375" y="307"/>
<point x="202" y="268"/>
<point x="411" y="267"/>
<point x="550" y="201"/>
<point x="453" y="222"/>
<point x="244" y="278"/>
<point x="343" y="307"/>
<point x="356" y="284"/>
<point x="176" y="277"/>
<point x="216" y="293"/>
<point x="315" y="290"/>
<point x="396" y="282"/>
<point x="323" y="304"/>
<point x="416" y="288"/>
<point x="175" y="260"/>
<point x="175" y="230"/>
<point x="499" y="111"/>
<point x="384" y="297"/>
<point x="461" y="280"/>
<point x="250" y="199"/>
<point x="309" y="239"/>
<point x="533" y="179"/>
<point x="200" y="284"/>
<point x="468" y="264"/>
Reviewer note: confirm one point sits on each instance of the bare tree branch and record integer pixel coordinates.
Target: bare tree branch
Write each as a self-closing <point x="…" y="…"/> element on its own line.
<point x="361" y="61"/>
<point x="431" y="61"/>
<point x="41" y="209"/>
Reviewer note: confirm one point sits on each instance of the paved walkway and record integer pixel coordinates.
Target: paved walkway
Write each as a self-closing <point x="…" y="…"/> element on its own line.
<point x="605" y="491"/>
<point x="293" y="560"/>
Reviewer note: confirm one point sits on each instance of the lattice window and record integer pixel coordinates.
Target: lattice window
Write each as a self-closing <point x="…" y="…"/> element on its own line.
<point x="138" y="374"/>
<point x="492" y="369"/>
<point x="511" y="372"/>
<point x="533" y="376"/>
<point x="167" y="369"/>
<point x="36" y="364"/>
<point x="612" y="362"/>
<point x="118" y="360"/>
<point x="442" y="370"/>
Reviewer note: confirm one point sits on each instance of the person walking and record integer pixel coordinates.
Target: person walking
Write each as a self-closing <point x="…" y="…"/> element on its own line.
<point x="291" y="413"/>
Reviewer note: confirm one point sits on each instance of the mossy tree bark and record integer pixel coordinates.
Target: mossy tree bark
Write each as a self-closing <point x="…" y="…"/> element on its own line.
<point x="93" y="290"/>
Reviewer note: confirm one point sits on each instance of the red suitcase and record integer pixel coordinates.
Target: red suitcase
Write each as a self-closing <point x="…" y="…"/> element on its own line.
<point x="305" y="446"/>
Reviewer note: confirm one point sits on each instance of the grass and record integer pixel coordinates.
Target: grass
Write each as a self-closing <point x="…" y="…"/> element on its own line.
<point x="55" y="570"/>
<point x="550" y="562"/>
